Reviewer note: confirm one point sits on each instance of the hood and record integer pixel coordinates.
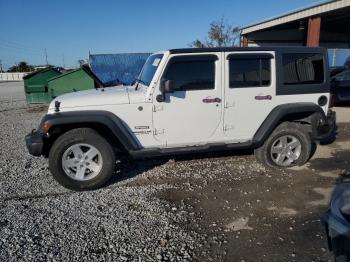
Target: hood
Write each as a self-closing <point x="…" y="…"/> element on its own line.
<point x="337" y="70"/>
<point x="102" y="96"/>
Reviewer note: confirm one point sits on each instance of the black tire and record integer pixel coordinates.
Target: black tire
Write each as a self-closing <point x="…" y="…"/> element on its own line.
<point x="299" y="131"/>
<point x="85" y="136"/>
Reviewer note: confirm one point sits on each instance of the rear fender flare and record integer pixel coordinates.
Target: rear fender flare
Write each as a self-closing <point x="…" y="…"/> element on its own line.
<point x="282" y="111"/>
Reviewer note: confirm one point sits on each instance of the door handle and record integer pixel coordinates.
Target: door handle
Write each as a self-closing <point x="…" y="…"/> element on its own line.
<point x="262" y="97"/>
<point x="211" y="100"/>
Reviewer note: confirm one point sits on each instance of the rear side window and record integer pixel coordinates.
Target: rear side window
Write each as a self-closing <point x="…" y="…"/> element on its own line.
<point x="303" y="69"/>
<point x="249" y="72"/>
<point x="195" y="73"/>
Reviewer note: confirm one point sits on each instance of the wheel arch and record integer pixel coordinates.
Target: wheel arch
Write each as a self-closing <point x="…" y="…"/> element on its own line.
<point x="108" y="125"/>
<point x="304" y="113"/>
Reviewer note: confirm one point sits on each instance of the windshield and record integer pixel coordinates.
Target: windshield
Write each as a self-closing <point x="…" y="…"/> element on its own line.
<point x="149" y="69"/>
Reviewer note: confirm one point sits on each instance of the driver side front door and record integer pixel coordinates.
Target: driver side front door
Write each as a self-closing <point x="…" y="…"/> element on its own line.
<point x="191" y="114"/>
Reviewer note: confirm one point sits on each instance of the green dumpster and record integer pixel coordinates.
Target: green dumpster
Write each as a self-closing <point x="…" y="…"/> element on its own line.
<point x="35" y="85"/>
<point x="76" y="80"/>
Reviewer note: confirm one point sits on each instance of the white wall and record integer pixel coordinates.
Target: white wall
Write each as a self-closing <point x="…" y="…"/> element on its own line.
<point x="12" y="76"/>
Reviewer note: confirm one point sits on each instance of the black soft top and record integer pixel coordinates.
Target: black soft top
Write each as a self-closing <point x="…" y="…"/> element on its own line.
<point x="281" y="49"/>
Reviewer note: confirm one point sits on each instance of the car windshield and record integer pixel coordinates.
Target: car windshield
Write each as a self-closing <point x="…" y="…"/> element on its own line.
<point x="149" y="69"/>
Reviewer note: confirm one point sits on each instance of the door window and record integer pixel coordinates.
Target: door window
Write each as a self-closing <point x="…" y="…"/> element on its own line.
<point x="249" y="72"/>
<point x="195" y="73"/>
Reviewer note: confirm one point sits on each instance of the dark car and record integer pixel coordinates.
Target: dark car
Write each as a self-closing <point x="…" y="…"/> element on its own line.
<point x="337" y="220"/>
<point x="340" y="81"/>
<point x="347" y="62"/>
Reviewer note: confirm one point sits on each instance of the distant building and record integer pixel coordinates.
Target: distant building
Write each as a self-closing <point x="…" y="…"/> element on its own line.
<point x="39" y="67"/>
<point x="324" y="24"/>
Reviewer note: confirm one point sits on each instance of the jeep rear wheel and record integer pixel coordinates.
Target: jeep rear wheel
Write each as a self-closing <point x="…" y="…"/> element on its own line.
<point x="288" y="145"/>
<point x="81" y="159"/>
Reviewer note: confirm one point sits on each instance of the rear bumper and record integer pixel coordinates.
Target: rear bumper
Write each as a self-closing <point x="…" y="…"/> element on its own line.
<point x="326" y="127"/>
<point x="35" y="143"/>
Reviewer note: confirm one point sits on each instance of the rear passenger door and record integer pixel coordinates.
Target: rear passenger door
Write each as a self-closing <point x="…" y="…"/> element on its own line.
<point x="249" y="92"/>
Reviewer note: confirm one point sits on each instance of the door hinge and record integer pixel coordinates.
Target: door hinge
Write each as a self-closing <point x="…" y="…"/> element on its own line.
<point x="228" y="127"/>
<point x="158" y="131"/>
<point x="158" y="108"/>
<point x="229" y="104"/>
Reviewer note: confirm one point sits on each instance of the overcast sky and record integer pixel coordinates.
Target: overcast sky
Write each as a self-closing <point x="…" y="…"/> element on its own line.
<point x="70" y="29"/>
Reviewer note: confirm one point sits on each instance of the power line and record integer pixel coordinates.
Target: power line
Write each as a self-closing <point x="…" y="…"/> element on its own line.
<point x="23" y="48"/>
<point x="19" y="49"/>
<point x="63" y="64"/>
<point x="19" y="45"/>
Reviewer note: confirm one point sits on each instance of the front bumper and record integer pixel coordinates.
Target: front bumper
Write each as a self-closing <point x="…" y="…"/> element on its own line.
<point x="338" y="233"/>
<point x="35" y="143"/>
<point x="337" y="221"/>
<point x="326" y="127"/>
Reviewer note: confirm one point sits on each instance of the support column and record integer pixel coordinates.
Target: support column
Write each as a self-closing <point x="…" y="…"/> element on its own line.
<point x="244" y="41"/>
<point x="313" y="32"/>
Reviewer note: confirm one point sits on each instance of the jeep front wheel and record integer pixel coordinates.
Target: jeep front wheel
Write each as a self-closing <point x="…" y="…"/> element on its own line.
<point x="81" y="159"/>
<point x="288" y="145"/>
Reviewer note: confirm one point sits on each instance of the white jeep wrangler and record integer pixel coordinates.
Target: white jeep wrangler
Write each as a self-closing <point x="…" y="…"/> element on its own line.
<point x="274" y="100"/>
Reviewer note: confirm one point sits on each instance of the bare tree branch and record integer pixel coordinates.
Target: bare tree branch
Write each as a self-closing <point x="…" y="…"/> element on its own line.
<point x="220" y="34"/>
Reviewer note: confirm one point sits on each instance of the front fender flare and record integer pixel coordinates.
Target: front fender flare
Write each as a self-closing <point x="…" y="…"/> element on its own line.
<point x="106" y="118"/>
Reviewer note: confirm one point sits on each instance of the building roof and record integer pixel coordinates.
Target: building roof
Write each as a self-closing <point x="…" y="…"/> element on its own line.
<point x="309" y="11"/>
<point x="50" y="68"/>
<point x="84" y="68"/>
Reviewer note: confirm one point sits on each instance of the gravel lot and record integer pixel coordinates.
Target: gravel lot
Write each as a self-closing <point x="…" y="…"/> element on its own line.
<point x="212" y="207"/>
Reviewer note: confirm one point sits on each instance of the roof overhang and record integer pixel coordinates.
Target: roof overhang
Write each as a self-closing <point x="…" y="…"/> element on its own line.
<point x="310" y="11"/>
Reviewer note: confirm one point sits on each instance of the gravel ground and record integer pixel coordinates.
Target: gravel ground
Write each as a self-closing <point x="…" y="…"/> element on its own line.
<point x="11" y="95"/>
<point x="40" y="220"/>
<point x="211" y="207"/>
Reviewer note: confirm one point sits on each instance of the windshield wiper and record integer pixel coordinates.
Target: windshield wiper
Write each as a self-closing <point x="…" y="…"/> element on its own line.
<point x="137" y="81"/>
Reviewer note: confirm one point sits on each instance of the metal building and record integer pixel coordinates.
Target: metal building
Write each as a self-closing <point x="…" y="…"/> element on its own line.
<point x="324" y="24"/>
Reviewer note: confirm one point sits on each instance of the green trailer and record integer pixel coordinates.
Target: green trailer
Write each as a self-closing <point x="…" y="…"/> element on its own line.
<point x="73" y="81"/>
<point x="35" y="85"/>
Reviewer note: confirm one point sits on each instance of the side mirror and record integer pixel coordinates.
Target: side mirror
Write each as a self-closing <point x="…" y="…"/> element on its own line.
<point x="166" y="86"/>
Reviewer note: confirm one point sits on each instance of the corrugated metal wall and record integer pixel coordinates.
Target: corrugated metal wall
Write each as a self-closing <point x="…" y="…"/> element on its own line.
<point x="114" y="67"/>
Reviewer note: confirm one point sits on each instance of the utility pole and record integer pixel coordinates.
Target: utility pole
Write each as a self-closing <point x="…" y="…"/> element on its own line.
<point x="47" y="63"/>
<point x="89" y="59"/>
<point x="63" y="64"/>
<point x="1" y="70"/>
<point x="334" y="57"/>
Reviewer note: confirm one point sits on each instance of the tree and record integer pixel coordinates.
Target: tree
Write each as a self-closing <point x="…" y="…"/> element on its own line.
<point x="220" y="34"/>
<point x="21" y="67"/>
